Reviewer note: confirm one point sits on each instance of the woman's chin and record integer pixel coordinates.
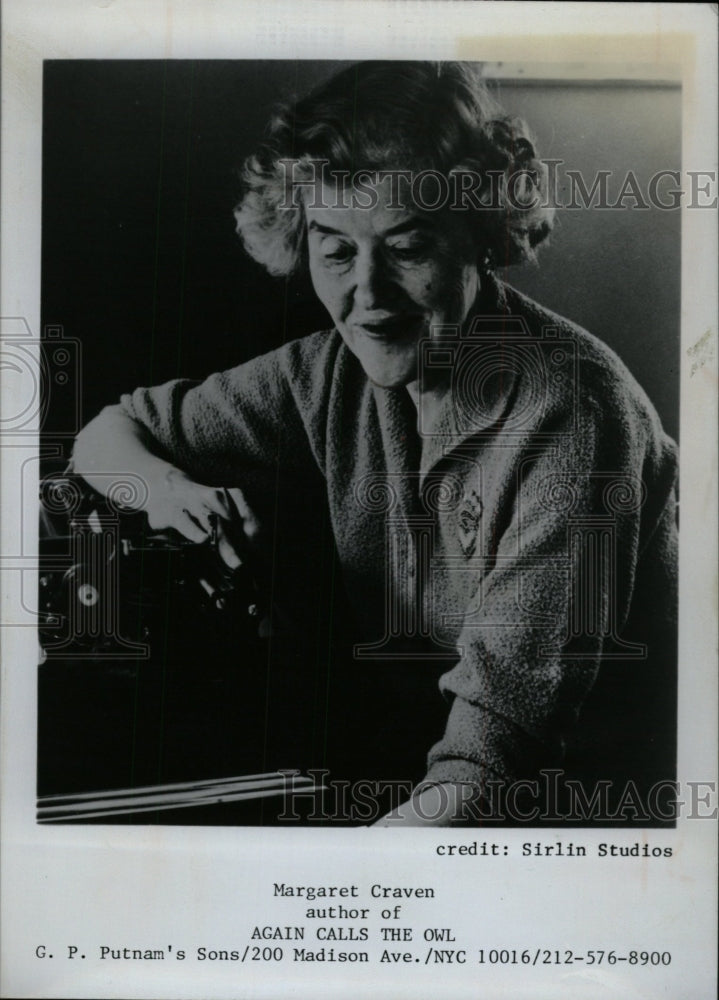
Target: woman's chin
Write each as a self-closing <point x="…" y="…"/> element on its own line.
<point x="388" y="369"/>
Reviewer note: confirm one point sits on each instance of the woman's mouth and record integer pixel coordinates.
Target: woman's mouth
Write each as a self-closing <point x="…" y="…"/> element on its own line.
<point x="390" y="326"/>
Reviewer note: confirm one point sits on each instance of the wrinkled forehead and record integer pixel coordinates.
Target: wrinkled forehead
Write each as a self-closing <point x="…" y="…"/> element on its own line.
<point x="357" y="203"/>
<point x="378" y="202"/>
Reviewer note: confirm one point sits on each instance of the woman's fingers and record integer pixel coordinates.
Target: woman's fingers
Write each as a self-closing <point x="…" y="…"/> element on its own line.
<point x="215" y="512"/>
<point x="200" y="512"/>
<point x="203" y="517"/>
<point x="217" y="501"/>
<point x="228" y="552"/>
<point x="188" y="526"/>
<point x="250" y="523"/>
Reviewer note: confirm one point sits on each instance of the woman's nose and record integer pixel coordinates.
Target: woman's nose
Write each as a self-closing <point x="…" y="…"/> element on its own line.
<point x="372" y="284"/>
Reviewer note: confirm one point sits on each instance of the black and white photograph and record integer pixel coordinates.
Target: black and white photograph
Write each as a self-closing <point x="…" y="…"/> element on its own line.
<point x="409" y="544"/>
<point x="358" y="437"/>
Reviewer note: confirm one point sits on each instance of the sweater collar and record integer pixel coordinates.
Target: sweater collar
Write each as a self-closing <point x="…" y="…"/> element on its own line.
<point x="472" y="392"/>
<point x="475" y="386"/>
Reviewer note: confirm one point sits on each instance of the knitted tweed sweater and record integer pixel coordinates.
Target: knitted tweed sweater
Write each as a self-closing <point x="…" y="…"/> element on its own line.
<point x="527" y="536"/>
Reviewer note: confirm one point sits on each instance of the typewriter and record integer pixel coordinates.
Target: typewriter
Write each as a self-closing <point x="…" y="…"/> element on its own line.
<point x="163" y="672"/>
<point x="152" y="652"/>
<point x="113" y="589"/>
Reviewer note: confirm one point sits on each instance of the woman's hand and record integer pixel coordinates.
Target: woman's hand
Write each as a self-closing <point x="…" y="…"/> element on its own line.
<point x="114" y="441"/>
<point x="200" y="512"/>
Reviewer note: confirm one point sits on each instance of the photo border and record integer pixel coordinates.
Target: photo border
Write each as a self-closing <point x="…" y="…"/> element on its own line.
<point x="78" y="886"/>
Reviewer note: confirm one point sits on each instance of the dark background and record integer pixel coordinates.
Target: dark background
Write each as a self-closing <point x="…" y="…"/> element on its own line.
<point x="141" y="262"/>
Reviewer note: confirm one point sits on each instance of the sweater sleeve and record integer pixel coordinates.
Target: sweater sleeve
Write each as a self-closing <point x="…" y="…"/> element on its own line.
<point x="582" y="507"/>
<point x="262" y="414"/>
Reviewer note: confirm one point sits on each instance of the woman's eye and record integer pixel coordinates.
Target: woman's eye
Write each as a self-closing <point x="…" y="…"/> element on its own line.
<point x="337" y="252"/>
<point x="408" y="251"/>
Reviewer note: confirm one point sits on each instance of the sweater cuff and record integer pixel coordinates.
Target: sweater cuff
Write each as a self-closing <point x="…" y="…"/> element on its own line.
<point x="480" y="746"/>
<point x="464" y="772"/>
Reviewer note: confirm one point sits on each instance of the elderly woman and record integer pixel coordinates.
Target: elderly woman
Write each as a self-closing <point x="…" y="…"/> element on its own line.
<point x="500" y="491"/>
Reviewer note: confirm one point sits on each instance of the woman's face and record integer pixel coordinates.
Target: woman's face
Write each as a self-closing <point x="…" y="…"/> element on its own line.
<point x="390" y="277"/>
